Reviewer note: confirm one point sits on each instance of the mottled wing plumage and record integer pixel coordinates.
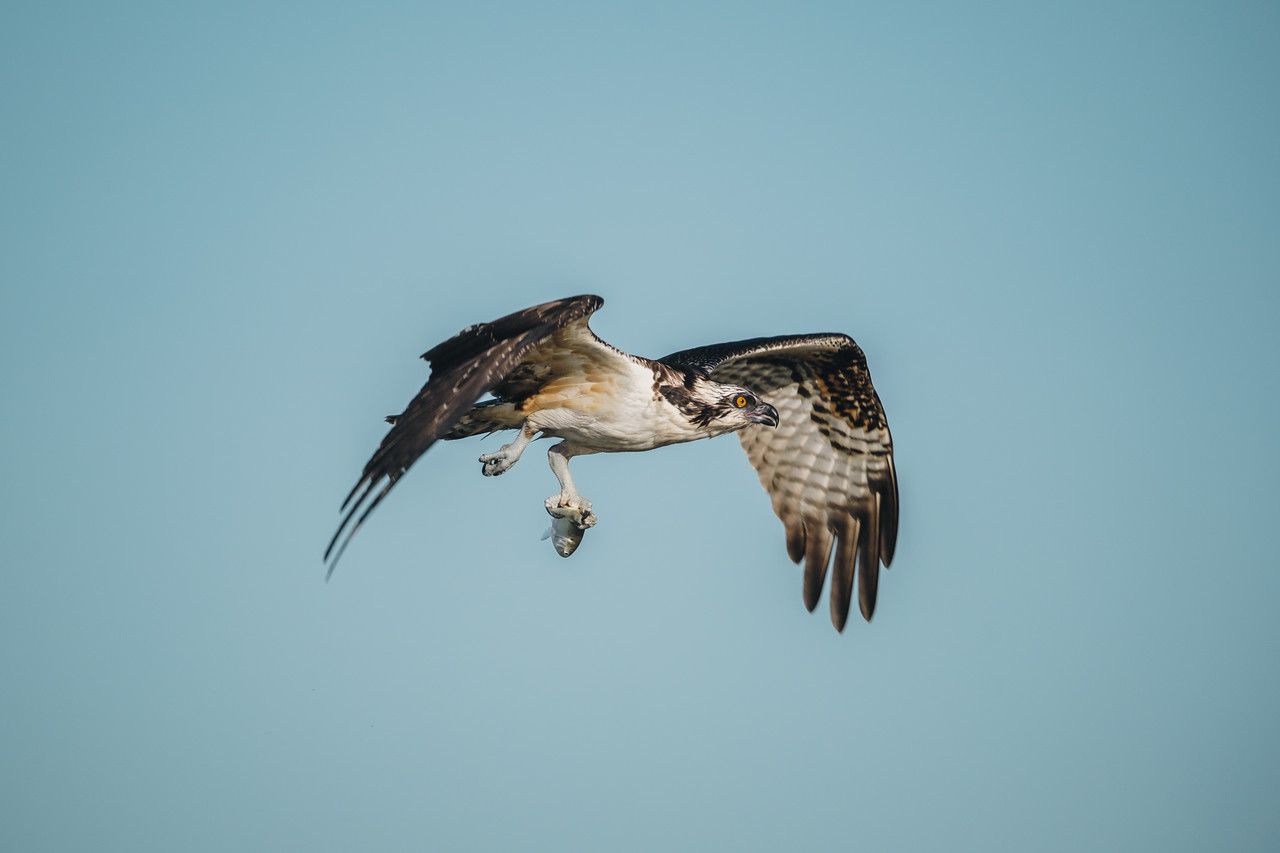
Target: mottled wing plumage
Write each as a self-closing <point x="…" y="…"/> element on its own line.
<point x="708" y="358"/>
<point x="463" y="369"/>
<point x="828" y="466"/>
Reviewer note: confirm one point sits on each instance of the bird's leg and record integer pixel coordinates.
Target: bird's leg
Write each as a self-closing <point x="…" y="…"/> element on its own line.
<point x="508" y="454"/>
<point x="568" y="504"/>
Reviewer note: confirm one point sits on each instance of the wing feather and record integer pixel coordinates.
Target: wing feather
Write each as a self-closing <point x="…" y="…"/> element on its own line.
<point x="463" y="369"/>
<point x="817" y="556"/>
<point x="828" y="466"/>
<point x="842" y="573"/>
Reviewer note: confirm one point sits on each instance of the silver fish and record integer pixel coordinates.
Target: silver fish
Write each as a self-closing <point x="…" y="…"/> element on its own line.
<point x="565" y="536"/>
<point x="566" y="531"/>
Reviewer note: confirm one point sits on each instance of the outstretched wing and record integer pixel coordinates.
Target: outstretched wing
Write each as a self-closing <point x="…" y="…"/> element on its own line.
<point x="828" y="466"/>
<point x="463" y="369"/>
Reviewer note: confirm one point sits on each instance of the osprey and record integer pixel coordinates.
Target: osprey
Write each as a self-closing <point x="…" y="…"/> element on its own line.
<point x="803" y="407"/>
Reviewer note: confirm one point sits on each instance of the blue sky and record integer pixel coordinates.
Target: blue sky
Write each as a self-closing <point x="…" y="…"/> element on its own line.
<point x="228" y="232"/>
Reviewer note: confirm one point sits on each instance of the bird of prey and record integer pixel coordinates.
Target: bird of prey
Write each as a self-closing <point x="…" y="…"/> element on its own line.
<point x="803" y="407"/>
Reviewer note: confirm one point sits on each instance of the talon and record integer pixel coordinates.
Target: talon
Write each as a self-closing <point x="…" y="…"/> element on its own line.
<point x="573" y="509"/>
<point x="493" y="464"/>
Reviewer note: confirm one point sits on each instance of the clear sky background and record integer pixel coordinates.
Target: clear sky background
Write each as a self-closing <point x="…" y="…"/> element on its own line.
<point x="228" y="231"/>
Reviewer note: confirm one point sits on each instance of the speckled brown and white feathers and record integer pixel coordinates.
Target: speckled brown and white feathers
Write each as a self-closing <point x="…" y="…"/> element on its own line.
<point x="828" y="467"/>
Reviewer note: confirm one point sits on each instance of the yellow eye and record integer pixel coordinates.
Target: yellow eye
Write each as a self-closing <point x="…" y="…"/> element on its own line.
<point x="740" y="401"/>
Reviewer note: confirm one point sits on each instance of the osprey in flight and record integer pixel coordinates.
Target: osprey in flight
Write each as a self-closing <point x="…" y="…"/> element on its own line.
<point x="802" y="405"/>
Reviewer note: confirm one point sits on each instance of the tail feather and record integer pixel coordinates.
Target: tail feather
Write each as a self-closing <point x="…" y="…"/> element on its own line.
<point x="487" y="417"/>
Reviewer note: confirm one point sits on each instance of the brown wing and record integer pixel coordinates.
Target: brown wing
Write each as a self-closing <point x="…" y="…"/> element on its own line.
<point x="463" y="369"/>
<point x="828" y="466"/>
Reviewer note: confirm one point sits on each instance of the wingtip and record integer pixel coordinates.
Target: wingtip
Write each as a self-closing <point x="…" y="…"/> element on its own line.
<point x="867" y="593"/>
<point x="795" y="539"/>
<point x="867" y="604"/>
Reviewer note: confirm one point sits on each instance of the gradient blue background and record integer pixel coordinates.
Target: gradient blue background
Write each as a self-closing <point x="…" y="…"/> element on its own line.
<point x="229" y="230"/>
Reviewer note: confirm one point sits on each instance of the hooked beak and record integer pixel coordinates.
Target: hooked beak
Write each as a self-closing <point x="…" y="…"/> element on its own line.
<point x="764" y="414"/>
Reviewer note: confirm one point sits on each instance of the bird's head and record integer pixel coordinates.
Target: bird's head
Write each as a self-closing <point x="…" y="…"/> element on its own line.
<point x="731" y="407"/>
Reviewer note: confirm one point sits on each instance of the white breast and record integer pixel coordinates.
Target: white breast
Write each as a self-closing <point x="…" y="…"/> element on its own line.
<point x="623" y="415"/>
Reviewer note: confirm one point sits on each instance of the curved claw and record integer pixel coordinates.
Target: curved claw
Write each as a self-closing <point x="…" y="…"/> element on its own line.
<point x="577" y="511"/>
<point x="493" y="464"/>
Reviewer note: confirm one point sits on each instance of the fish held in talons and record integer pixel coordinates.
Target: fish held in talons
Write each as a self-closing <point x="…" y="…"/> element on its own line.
<point x="568" y="525"/>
